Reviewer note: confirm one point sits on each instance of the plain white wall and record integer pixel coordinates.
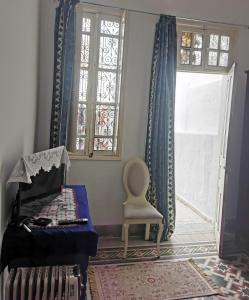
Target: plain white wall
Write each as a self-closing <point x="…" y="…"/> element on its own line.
<point x="18" y="89"/>
<point x="103" y="179"/>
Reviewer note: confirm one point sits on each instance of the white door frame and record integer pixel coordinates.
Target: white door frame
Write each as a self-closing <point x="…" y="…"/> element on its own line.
<point x="224" y="170"/>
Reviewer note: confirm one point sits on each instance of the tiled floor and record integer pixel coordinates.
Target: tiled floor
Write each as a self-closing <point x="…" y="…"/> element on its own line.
<point x="193" y="237"/>
<point x="190" y="228"/>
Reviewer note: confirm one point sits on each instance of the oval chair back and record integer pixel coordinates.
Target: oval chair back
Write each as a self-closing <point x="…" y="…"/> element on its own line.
<point x="136" y="179"/>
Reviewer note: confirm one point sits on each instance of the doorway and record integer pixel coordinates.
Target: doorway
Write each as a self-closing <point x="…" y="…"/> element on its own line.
<point x="202" y="114"/>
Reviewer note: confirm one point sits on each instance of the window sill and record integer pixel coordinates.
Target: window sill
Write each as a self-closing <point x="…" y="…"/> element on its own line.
<point x="74" y="156"/>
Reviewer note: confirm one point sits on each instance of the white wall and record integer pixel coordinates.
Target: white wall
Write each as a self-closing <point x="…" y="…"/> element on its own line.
<point x="18" y="88"/>
<point x="196" y="166"/>
<point x="103" y="179"/>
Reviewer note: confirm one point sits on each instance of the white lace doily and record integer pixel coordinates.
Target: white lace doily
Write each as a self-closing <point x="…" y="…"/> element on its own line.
<point x="30" y="165"/>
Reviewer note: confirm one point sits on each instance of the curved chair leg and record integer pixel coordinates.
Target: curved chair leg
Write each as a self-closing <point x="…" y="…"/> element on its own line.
<point x="147" y="232"/>
<point x="126" y="231"/>
<point x="159" y="235"/>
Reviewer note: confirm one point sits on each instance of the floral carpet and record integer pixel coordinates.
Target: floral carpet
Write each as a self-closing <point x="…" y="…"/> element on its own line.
<point x="164" y="280"/>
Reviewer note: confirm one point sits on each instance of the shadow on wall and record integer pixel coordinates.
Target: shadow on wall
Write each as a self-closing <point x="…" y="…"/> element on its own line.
<point x="8" y="191"/>
<point x="7" y="195"/>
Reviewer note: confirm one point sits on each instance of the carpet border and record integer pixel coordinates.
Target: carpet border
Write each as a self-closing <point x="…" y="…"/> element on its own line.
<point x="93" y="281"/>
<point x="206" y="277"/>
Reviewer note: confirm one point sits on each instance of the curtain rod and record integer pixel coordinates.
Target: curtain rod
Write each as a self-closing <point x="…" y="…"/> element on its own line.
<point x="179" y="18"/>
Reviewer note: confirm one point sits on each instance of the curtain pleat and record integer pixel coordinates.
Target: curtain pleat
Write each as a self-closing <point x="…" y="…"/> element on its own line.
<point x="64" y="49"/>
<point x="159" y="153"/>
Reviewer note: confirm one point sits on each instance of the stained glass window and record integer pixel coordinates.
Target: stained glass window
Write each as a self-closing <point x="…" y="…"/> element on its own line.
<point x="85" y="48"/>
<point x="185" y="57"/>
<point x="103" y="144"/>
<point x="106" y="91"/>
<point x="191" y="48"/>
<point x="105" y="117"/>
<point x="83" y="85"/>
<point x="96" y="113"/>
<point x="223" y="61"/>
<point x="197" y="40"/>
<point x="196" y="58"/>
<point x="220" y="57"/>
<point x="80" y="144"/>
<point x="186" y="39"/>
<point x="212" y="58"/>
<point x="214" y="41"/>
<point x="109" y="27"/>
<point x="86" y="24"/>
<point x="201" y="48"/>
<point x="224" y="42"/>
<point x="108" y="52"/>
<point x="81" y="120"/>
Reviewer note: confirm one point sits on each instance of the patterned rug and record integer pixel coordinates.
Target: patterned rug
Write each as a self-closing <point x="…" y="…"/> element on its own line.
<point x="165" y="280"/>
<point x="148" y="253"/>
<point x="232" y="276"/>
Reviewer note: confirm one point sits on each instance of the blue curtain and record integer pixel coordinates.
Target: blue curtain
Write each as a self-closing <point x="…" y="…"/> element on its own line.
<point x="159" y="154"/>
<point x="64" y="49"/>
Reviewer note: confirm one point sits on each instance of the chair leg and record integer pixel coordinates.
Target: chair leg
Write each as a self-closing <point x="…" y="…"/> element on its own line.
<point x="147" y="232"/>
<point x="126" y="231"/>
<point x="122" y="238"/>
<point x="159" y="235"/>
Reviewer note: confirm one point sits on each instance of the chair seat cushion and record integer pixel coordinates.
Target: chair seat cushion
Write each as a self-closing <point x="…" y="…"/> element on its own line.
<point x="143" y="211"/>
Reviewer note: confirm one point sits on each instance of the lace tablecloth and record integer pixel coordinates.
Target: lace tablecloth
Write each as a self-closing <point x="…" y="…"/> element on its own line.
<point x="30" y="165"/>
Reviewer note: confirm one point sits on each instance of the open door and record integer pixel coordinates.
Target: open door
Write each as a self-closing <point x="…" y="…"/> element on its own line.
<point x="223" y="170"/>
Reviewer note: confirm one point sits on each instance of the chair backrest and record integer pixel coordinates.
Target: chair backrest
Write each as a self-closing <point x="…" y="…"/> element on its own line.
<point x="136" y="179"/>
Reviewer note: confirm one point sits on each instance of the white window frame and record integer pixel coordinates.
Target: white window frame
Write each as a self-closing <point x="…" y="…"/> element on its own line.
<point x="97" y="13"/>
<point x="205" y="29"/>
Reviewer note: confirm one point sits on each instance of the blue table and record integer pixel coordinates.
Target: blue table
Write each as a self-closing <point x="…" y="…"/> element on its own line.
<point x="62" y="245"/>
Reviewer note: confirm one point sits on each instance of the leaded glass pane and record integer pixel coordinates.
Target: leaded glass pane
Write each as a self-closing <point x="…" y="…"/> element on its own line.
<point x="108" y="52"/>
<point x="196" y="58"/>
<point x="197" y="40"/>
<point x="186" y="39"/>
<point x="106" y="87"/>
<point x="223" y="61"/>
<point x="81" y="119"/>
<point x="109" y="27"/>
<point x="85" y="47"/>
<point x="224" y="42"/>
<point x="103" y="144"/>
<point x="185" y="57"/>
<point x="80" y="144"/>
<point x="83" y="85"/>
<point x="104" y="123"/>
<point x="213" y="41"/>
<point x="212" y="58"/>
<point x="86" y="24"/>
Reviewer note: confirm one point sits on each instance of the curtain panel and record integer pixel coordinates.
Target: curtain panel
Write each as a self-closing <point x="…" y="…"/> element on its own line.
<point x="64" y="49"/>
<point x="159" y="153"/>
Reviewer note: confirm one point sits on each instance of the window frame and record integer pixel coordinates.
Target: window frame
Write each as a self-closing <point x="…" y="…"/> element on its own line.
<point x="205" y="29"/>
<point x="96" y="14"/>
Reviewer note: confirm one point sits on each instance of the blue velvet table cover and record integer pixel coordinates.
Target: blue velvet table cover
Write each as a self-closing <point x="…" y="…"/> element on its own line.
<point x="56" y="245"/>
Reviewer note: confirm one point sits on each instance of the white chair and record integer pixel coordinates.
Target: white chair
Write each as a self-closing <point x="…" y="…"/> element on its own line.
<point x="137" y="210"/>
